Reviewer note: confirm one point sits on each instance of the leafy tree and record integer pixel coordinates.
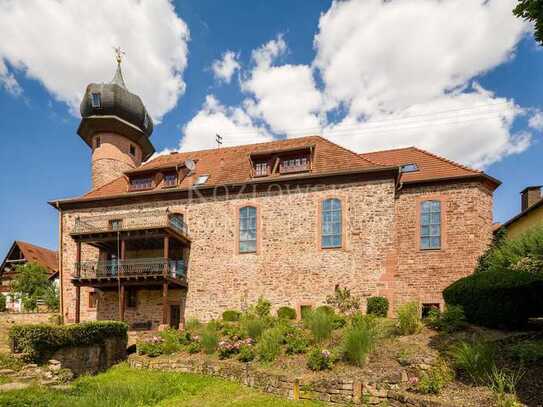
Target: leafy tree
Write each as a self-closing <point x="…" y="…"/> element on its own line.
<point x="30" y="284"/>
<point x="343" y="301"/>
<point x="2" y="303"/>
<point x="532" y="10"/>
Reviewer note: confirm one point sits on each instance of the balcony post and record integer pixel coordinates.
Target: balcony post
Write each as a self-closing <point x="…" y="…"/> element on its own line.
<point x="122" y="298"/>
<point x="165" y="283"/>
<point x="77" y="287"/>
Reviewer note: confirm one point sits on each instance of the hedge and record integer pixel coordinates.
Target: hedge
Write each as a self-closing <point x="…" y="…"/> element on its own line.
<point x="286" y="313"/>
<point x="498" y="299"/>
<point x="37" y="342"/>
<point x="231" y="315"/>
<point x="377" y="306"/>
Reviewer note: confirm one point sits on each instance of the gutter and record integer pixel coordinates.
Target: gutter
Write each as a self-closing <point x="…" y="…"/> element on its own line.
<point x="60" y="271"/>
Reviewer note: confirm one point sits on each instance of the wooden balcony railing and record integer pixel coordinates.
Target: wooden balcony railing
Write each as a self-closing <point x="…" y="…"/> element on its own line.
<point x="147" y="267"/>
<point x="130" y="221"/>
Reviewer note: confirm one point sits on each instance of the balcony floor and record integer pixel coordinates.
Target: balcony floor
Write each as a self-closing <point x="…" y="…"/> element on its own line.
<point x="141" y="281"/>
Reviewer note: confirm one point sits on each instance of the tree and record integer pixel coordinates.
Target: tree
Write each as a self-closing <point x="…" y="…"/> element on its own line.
<point x="30" y="284"/>
<point x="532" y="10"/>
<point x="2" y="303"/>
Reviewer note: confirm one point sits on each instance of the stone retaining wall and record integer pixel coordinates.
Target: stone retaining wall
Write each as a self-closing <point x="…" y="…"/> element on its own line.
<point x="331" y="390"/>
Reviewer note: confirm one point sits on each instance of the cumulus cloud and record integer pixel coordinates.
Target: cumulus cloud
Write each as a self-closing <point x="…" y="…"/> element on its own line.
<point x="536" y="121"/>
<point x="234" y="124"/>
<point x="224" y="68"/>
<point x="67" y="44"/>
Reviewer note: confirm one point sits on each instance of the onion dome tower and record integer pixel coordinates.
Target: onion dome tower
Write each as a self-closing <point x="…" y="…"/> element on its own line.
<point x="116" y="126"/>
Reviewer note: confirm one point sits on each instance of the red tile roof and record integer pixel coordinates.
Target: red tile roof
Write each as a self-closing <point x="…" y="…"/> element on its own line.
<point x="431" y="167"/>
<point x="40" y="255"/>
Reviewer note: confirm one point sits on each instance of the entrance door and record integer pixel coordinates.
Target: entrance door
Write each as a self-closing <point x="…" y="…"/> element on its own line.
<point x="175" y="316"/>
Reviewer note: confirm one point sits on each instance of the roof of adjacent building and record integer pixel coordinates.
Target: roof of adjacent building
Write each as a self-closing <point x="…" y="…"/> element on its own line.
<point x="36" y="254"/>
<point x="232" y="165"/>
<point x="529" y="209"/>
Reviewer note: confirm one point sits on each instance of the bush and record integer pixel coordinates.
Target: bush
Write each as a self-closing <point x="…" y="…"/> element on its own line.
<point x="433" y="381"/>
<point x="37" y="343"/>
<point x="325" y="308"/>
<point x="451" y="320"/>
<point x="194" y="347"/>
<point x="152" y="347"/>
<point x="210" y="339"/>
<point x="193" y="324"/>
<point x="318" y="360"/>
<point x="233" y="331"/>
<point x="343" y="301"/>
<point x="408" y="315"/>
<point x="295" y="340"/>
<point x="503" y="385"/>
<point x="286" y="313"/>
<point x="231" y="315"/>
<point x="359" y="340"/>
<point x="498" y="299"/>
<point x="253" y="327"/>
<point x="377" y="306"/>
<point x="228" y="348"/>
<point x="269" y="346"/>
<point x="2" y="303"/>
<point x="246" y="354"/>
<point x="475" y="360"/>
<point x="320" y="324"/>
<point x="527" y="351"/>
<point x="262" y="307"/>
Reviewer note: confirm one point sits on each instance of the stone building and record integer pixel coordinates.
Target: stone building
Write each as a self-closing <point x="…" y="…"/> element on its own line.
<point x="194" y="233"/>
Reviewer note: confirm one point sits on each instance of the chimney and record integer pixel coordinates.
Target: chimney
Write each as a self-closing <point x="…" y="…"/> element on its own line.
<point x="529" y="196"/>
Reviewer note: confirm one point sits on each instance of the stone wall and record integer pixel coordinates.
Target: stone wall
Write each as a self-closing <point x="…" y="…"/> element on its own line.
<point x="332" y="390"/>
<point x="10" y="318"/>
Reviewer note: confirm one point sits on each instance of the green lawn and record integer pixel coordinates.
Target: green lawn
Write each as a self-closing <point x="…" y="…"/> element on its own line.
<point x="122" y="386"/>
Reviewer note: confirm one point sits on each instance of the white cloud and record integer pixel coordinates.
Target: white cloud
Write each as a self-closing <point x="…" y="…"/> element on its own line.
<point x="8" y="81"/>
<point x="265" y="55"/>
<point x="224" y="68"/>
<point x="233" y="124"/>
<point x="68" y="44"/>
<point x="536" y="121"/>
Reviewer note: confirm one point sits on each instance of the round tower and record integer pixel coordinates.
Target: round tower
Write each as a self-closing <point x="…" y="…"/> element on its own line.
<point x="116" y="126"/>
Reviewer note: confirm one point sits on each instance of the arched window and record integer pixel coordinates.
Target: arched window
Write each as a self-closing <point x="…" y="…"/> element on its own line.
<point x="331" y="223"/>
<point x="247" y="229"/>
<point x="430" y="225"/>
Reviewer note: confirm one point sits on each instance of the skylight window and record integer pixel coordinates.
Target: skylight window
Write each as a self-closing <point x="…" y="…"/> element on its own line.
<point x="409" y="168"/>
<point x="201" y="180"/>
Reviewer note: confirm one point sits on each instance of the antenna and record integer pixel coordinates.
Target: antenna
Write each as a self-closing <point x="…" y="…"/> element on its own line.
<point x="218" y="139"/>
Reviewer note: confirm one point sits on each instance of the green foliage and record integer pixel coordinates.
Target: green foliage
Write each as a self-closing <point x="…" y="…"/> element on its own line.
<point x="210" y="338"/>
<point x="451" y="320"/>
<point x="532" y="11"/>
<point x="318" y="360"/>
<point x="269" y="345"/>
<point x="321" y="324"/>
<point x="262" y="307"/>
<point x="30" y="284"/>
<point x="246" y="354"/>
<point x="343" y="301"/>
<point x="233" y="331"/>
<point x="359" y="340"/>
<point x="10" y="362"/>
<point x="485" y="260"/>
<point x="503" y="384"/>
<point x="408" y="316"/>
<point x="435" y="379"/>
<point x="37" y="342"/>
<point x="475" y="360"/>
<point x="286" y="313"/>
<point x="194" y="347"/>
<point x="2" y="303"/>
<point x="151" y="348"/>
<point x="377" y="306"/>
<point x="193" y="324"/>
<point x="295" y="339"/>
<point x="325" y="308"/>
<point x="498" y="299"/>
<point x="231" y="315"/>
<point x="253" y="327"/>
<point x="167" y="342"/>
<point x="527" y="351"/>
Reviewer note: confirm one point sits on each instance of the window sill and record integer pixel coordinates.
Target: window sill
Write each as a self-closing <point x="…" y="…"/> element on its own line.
<point x="255" y="252"/>
<point x="140" y="189"/>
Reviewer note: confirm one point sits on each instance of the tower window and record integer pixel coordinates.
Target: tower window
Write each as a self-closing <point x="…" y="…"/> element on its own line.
<point x="132" y="150"/>
<point x="98" y="142"/>
<point x="96" y="100"/>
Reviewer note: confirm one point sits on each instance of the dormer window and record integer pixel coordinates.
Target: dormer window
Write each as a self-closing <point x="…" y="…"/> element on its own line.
<point x="140" y="183"/>
<point x="409" y="168"/>
<point x="261" y="169"/>
<point x="294" y="164"/>
<point x="96" y="100"/>
<point x="98" y="142"/>
<point x="170" y="179"/>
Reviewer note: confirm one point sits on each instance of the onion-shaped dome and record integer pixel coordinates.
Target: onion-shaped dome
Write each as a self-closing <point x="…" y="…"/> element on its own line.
<point x="110" y="107"/>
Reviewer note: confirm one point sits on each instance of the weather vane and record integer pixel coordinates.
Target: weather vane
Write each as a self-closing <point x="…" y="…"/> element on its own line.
<point x="119" y="54"/>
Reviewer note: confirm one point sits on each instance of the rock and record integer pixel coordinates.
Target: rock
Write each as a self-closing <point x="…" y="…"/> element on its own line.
<point x="393" y="378"/>
<point x="424" y="366"/>
<point x="54" y="362"/>
<point x="13" y="386"/>
<point x="30" y="366"/>
<point x="55" y="368"/>
<point x="405" y="377"/>
<point x="7" y="372"/>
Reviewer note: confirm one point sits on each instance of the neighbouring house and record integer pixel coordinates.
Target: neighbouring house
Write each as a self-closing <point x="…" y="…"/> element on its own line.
<point x="19" y="254"/>
<point x="531" y="213"/>
<point x="194" y="233"/>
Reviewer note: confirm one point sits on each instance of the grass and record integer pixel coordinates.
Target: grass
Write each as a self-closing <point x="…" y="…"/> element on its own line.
<point x="122" y="386"/>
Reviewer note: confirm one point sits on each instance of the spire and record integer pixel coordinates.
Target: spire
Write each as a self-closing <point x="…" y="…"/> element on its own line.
<point x="118" y="78"/>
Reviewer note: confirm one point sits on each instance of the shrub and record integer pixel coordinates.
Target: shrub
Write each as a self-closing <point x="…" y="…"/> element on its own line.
<point x="10" y="362"/>
<point x="325" y="308"/>
<point x="320" y="324"/>
<point x="377" y="306"/>
<point x="409" y="322"/>
<point x="503" y="385"/>
<point x="451" y="320"/>
<point x="233" y="331"/>
<point x="151" y="347"/>
<point x="210" y="339"/>
<point x="527" y="351"/>
<point x="269" y="346"/>
<point x="38" y="342"/>
<point x="318" y="360"/>
<point x="343" y="301"/>
<point x="194" y="347"/>
<point x="228" y="348"/>
<point x="246" y="354"/>
<point x="262" y="307"/>
<point x="231" y="315"/>
<point x="433" y="380"/>
<point x="295" y="340"/>
<point x="359" y="340"/>
<point x="2" y="303"/>
<point x="475" y="360"/>
<point x="253" y="327"/>
<point x="286" y="313"/>
<point x="193" y="324"/>
<point x="498" y="299"/>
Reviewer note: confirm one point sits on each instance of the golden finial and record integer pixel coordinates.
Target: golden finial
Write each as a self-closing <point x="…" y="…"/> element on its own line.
<point x="119" y="54"/>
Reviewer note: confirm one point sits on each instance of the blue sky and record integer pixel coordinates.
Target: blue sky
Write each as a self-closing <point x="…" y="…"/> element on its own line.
<point x="272" y="42"/>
